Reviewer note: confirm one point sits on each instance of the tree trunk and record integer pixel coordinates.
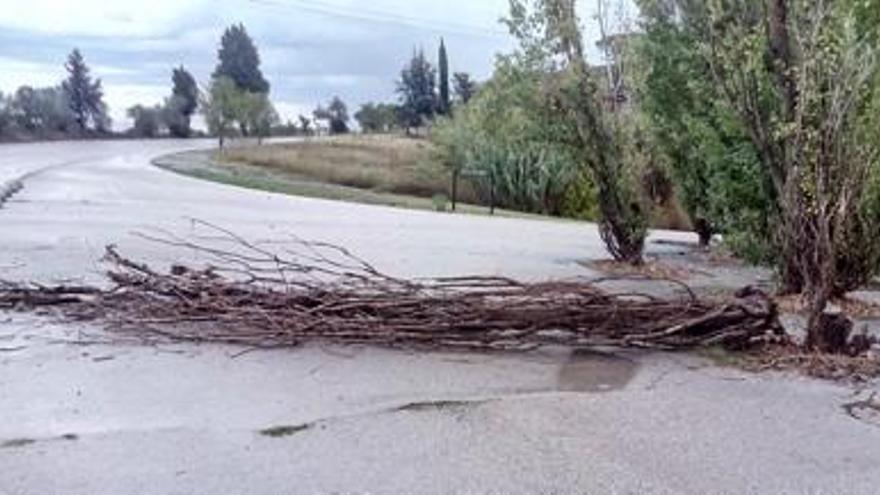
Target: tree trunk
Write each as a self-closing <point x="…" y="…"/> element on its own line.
<point x="829" y="333"/>
<point x="454" y="187"/>
<point x="704" y="230"/>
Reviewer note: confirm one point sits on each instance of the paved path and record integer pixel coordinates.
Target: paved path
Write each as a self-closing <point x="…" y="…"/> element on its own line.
<point x="81" y="416"/>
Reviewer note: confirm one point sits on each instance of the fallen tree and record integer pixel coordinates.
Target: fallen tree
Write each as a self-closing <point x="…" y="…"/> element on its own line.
<point x="303" y="292"/>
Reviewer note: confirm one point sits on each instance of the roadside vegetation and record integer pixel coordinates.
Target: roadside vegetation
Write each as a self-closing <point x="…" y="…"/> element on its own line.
<point x="385" y="163"/>
<point x="753" y="122"/>
<point x="74" y="108"/>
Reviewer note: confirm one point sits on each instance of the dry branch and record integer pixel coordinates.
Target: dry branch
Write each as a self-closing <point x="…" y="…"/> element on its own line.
<point x="279" y="295"/>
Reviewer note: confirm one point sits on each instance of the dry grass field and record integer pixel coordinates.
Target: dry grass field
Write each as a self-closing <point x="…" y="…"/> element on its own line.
<point x="384" y="164"/>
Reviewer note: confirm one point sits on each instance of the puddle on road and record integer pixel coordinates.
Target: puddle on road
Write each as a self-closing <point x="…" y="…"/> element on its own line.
<point x="595" y="372"/>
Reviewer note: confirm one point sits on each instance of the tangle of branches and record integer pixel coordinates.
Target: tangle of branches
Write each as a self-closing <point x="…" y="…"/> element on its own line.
<point x="287" y="294"/>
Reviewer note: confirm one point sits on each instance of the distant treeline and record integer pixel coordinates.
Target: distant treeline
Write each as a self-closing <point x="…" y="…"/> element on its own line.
<point x="235" y="102"/>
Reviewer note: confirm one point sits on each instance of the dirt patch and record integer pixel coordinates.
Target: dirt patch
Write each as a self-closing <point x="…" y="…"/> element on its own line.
<point x="788" y="357"/>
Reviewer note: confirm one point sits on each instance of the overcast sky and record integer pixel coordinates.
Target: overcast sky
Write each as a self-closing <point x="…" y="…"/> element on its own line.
<point x="311" y="49"/>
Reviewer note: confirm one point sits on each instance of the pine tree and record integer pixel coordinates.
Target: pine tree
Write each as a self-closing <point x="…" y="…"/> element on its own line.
<point x="443" y="62"/>
<point x="240" y="61"/>
<point x="83" y="95"/>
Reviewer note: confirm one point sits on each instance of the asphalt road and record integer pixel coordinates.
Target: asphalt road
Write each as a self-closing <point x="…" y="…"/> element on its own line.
<point x="82" y="415"/>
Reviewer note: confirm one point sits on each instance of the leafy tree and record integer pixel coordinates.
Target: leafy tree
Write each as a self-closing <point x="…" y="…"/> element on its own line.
<point x="84" y="96"/>
<point x="223" y="106"/>
<point x="712" y="160"/>
<point x="444" y="104"/>
<point x="240" y="61"/>
<point x="42" y="110"/>
<point x="147" y="120"/>
<point x="336" y="115"/>
<point x="374" y="118"/>
<point x="417" y="90"/>
<point x="802" y="79"/>
<point x="604" y="137"/>
<point x="258" y="115"/>
<point x="508" y="146"/>
<point x="182" y="104"/>
<point x="464" y="87"/>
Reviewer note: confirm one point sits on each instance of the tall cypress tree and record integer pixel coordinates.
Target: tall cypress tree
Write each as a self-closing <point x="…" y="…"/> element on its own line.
<point x="443" y="64"/>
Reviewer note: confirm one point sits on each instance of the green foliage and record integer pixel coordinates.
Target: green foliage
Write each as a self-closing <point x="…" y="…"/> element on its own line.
<point x="258" y="114"/>
<point x="440" y="202"/>
<point x="604" y="134"/>
<point x="444" y="103"/>
<point x="464" y="87"/>
<point x="377" y="117"/>
<point x="182" y="104"/>
<point x="336" y="116"/>
<point x="186" y="89"/>
<point x="715" y="166"/>
<point x="222" y="107"/>
<point x="41" y="110"/>
<point x="417" y="90"/>
<point x="580" y="200"/>
<point x="803" y="79"/>
<point x="84" y="96"/>
<point x="507" y="146"/>
<point x="147" y="120"/>
<point x="240" y="61"/>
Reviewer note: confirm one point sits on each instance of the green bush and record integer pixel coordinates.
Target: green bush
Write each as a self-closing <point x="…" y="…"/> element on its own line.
<point x="505" y="144"/>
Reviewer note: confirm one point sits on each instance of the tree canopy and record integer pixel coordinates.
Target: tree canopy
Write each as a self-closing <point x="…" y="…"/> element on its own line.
<point x="463" y="86"/>
<point x="417" y="89"/>
<point x="239" y="60"/>
<point x="335" y="114"/>
<point x="182" y="104"/>
<point x="377" y="117"/>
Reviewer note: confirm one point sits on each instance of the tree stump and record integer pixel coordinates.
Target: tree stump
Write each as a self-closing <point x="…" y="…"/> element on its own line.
<point x="831" y="334"/>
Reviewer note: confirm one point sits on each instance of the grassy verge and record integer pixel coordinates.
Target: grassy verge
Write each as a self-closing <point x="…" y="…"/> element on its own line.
<point x="381" y="164"/>
<point x="381" y="171"/>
